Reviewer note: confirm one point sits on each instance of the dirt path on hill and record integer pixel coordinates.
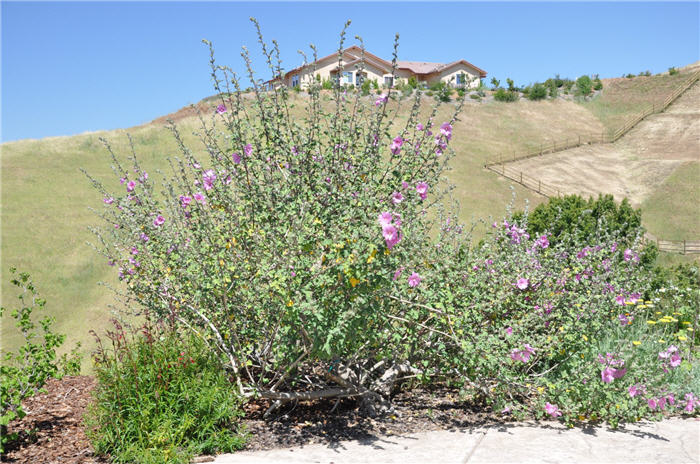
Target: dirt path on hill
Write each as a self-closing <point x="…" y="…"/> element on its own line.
<point x="635" y="165"/>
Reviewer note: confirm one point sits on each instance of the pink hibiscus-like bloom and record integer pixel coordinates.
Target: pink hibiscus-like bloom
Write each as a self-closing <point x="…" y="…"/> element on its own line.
<point x="628" y="254"/>
<point x="675" y="360"/>
<point x="652" y="403"/>
<point x="385" y="219"/>
<point x="185" y="201"/>
<point x="159" y="221"/>
<point x="516" y="355"/>
<point x="221" y="109"/>
<point x="236" y="158"/>
<point x="397" y="198"/>
<point x="543" y="242"/>
<point x="419" y="127"/>
<point x="509" y="331"/>
<point x="108" y="200"/>
<point x="414" y="279"/>
<point x="199" y="198"/>
<point x="691" y="402"/>
<point x="398" y="272"/>
<point x="607" y="374"/>
<point x="396" y="145"/>
<point x="552" y="410"/>
<point x="392" y="236"/>
<point x="446" y="130"/>
<point x="130" y="186"/>
<point x="381" y="99"/>
<point x="522" y="283"/>
<point x="527" y="352"/>
<point x="625" y="319"/>
<point x="144" y="237"/>
<point x="619" y="299"/>
<point x="134" y="251"/>
<point x="633" y="390"/>
<point x="248" y="150"/>
<point x="208" y="178"/>
<point x="404" y="185"/>
<point x="422" y="190"/>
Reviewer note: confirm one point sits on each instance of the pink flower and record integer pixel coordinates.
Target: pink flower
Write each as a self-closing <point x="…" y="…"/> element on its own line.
<point x="381" y="99"/>
<point x="619" y="299"/>
<point x="633" y="391"/>
<point x="628" y="254"/>
<point x="522" y="283"/>
<point x="542" y="241"/>
<point x="221" y="109"/>
<point x="446" y="130"/>
<point x="414" y="279"/>
<point x="134" y="251"/>
<point x="248" y="150"/>
<point x="185" y="201"/>
<point x="108" y="200"/>
<point x="509" y="331"/>
<point x="391" y="236"/>
<point x="130" y="186"/>
<point x="419" y="127"/>
<point x="516" y="355"/>
<point x="397" y="274"/>
<point x="675" y="360"/>
<point x="422" y="189"/>
<point x="208" y="177"/>
<point x="159" y="221"/>
<point x="691" y="402"/>
<point x="385" y="219"/>
<point x="396" y="145"/>
<point x="607" y="374"/>
<point x="144" y="237"/>
<point x="652" y="403"/>
<point x="236" y="158"/>
<point x="397" y="198"/>
<point x="199" y="198"/>
<point x="552" y="410"/>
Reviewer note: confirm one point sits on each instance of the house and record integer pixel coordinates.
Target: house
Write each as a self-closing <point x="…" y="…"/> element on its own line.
<point x="457" y="73"/>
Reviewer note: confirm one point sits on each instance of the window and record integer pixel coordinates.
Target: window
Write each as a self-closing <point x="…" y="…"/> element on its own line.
<point x="360" y="78"/>
<point x="347" y="77"/>
<point x="389" y="81"/>
<point x="461" y="79"/>
<point x="295" y="80"/>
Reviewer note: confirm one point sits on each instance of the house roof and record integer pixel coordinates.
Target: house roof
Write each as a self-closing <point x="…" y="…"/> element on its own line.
<point x="422" y="67"/>
<point x="354" y="53"/>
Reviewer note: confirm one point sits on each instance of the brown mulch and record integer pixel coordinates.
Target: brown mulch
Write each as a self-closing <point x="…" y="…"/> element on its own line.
<point x="58" y="436"/>
<point x="52" y="431"/>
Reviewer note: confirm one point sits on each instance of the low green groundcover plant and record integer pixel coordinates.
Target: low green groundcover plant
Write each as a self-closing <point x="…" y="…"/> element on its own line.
<point x="321" y="258"/>
<point x="161" y="397"/>
<point x="24" y="373"/>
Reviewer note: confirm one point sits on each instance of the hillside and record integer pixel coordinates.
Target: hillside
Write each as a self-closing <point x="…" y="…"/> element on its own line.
<point x="47" y="200"/>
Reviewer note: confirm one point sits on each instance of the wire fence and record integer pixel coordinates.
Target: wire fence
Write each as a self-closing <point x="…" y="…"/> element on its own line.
<point x="595" y="138"/>
<point x="498" y="164"/>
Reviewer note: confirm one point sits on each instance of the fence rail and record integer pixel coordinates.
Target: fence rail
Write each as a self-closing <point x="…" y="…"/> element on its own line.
<point x="591" y="138"/>
<point x="498" y="164"/>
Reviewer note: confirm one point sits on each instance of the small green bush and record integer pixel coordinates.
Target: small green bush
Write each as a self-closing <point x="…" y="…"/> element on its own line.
<point x="672" y="71"/>
<point x="23" y="374"/>
<point x="584" y="85"/>
<point x="511" y="84"/>
<point x="161" y="397"/>
<point x="537" y="92"/>
<point x="597" y="84"/>
<point x="475" y="96"/>
<point x="413" y="82"/>
<point x="365" y="87"/>
<point x="503" y="95"/>
<point x="327" y="84"/>
<point x="495" y="83"/>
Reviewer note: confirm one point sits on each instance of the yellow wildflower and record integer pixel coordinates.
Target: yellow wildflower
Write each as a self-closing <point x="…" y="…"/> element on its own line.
<point x="290" y="303"/>
<point x="661" y="340"/>
<point x="585" y="338"/>
<point x="540" y="389"/>
<point x="682" y="338"/>
<point x="651" y="322"/>
<point x="636" y="343"/>
<point x="354" y="281"/>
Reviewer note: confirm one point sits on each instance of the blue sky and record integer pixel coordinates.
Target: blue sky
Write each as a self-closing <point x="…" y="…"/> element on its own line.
<point x="68" y="68"/>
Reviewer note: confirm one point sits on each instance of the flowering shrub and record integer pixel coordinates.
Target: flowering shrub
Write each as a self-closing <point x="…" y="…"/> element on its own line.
<point x="288" y="244"/>
<point x="316" y="256"/>
<point x="573" y="329"/>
